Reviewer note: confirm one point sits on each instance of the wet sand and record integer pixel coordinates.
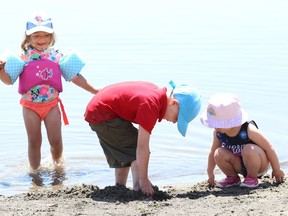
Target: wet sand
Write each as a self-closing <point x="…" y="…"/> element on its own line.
<point x="198" y="199"/>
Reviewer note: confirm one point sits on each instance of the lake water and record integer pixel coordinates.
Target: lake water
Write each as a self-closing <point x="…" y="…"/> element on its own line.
<point x="218" y="46"/>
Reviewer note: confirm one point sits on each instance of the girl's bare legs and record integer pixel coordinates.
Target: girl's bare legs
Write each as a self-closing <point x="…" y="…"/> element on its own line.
<point x="33" y="128"/>
<point x="229" y="163"/>
<point x="254" y="159"/>
<point x="52" y="123"/>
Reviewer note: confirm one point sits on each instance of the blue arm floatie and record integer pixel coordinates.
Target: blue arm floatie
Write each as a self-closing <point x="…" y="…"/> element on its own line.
<point x="14" y="66"/>
<point x="71" y="65"/>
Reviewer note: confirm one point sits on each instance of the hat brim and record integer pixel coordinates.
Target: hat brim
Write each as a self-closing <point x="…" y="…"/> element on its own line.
<point x="39" y="29"/>
<point x="182" y="124"/>
<point x="216" y="123"/>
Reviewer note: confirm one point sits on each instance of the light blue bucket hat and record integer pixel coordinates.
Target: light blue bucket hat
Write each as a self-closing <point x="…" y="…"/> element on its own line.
<point x="189" y="100"/>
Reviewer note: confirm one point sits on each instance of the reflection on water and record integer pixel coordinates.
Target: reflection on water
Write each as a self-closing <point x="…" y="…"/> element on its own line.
<point x="47" y="177"/>
<point x="23" y="181"/>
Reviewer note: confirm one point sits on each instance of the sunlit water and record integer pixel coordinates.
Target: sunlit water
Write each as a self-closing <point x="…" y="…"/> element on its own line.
<point x="215" y="45"/>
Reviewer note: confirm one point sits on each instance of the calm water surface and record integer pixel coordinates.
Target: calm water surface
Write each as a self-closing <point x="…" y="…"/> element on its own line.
<point x="215" y="45"/>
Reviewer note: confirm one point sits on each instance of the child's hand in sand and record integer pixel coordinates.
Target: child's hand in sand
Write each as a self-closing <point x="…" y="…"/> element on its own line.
<point x="278" y="175"/>
<point x="211" y="180"/>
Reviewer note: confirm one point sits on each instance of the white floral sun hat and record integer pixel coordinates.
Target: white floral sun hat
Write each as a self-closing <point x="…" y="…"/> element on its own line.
<point x="224" y="111"/>
<point x="40" y="21"/>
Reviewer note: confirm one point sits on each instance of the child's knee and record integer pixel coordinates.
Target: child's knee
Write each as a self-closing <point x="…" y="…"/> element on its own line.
<point x="251" y="149"/>
<point x="221" y="152"/>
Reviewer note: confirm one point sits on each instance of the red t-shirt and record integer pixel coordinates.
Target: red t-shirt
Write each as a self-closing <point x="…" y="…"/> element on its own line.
<point x="139" y="102"/>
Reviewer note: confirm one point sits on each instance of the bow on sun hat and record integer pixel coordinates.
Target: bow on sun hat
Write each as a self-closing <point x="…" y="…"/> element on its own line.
<point x="224" y="111"/>
<point x="39" y="22"/>
<point x="189" y="100"/>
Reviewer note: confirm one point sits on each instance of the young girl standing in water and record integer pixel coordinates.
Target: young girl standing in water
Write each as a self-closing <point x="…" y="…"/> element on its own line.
<point x="39" y="69"/>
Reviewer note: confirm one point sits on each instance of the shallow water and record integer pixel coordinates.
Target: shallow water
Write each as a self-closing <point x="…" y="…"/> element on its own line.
<point x="215" y="45"/>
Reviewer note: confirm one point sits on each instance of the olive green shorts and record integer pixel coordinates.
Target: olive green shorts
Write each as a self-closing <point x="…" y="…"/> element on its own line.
<point x="118" y="139"/>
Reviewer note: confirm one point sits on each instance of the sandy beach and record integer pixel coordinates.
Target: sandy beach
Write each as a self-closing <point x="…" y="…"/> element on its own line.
<point x="198" y="199"/>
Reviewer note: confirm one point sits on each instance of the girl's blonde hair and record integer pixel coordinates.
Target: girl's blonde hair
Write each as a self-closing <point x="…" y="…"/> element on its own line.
<point x="26" y="43"/>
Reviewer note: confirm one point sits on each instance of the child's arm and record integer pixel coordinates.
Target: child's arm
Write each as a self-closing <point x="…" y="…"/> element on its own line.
<point x="13" y="67"/>
<point x="5" y="78"/>
<point x="211" y="162"/>
<point x="71" y="65"/>
<point x="260" y="139"/>
<point x="83" y="83"/>
<point x="142" y="157"/>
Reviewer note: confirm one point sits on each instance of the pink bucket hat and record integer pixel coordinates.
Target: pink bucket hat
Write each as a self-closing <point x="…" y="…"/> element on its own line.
<point x="224" y="111"/>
